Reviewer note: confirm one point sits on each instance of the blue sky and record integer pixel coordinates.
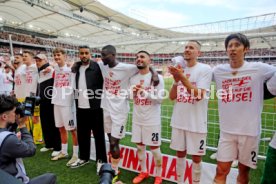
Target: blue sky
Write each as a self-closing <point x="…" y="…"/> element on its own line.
<point x="174" y="13"/>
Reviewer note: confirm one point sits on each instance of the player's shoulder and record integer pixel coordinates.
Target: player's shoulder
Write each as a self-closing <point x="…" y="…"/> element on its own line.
<point x="204" y="66"/>
<point x="257" y="64"/>
<point x="221" y="67"/>
<point x="126" y="65"/>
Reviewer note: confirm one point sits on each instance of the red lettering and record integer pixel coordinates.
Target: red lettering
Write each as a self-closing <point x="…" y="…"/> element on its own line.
<point x="132" y="159"/>
<point x="164" y="165"/>
<point x="237" y="97"/>
<point x="125" y="155"/>
<point x="172" y="170"/>
<point x="188" y="172"/>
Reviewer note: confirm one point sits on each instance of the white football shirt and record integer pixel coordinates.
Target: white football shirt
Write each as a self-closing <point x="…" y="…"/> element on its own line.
<point x="31" y="80"/>
<point x="241" y="96"/>
<point x="115" y="88"/>
<point x="19" y="81"/>
<point x="188" y="113"/>
<point x="63" y="86"/>
<point x="147" y="107"/>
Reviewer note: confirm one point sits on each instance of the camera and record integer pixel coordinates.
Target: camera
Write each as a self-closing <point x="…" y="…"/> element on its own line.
<point x="27" y="107"/>
<point x="106" y="174"/>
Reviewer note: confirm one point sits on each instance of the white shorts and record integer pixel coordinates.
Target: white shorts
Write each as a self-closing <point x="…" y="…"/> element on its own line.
<point x="243" y="148"/>
<point x="115" y="124"/>
<point x="148" y="135"/>
<point x="194" y="143"/>
<point x="64" y="117"/>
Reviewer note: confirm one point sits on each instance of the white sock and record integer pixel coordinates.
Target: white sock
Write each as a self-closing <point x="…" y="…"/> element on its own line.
<point x="158" y="161"/>
<point x="180" y="169"/>
<point x="76" y="151"/>
<point x="64" y="148"/>
<point x="196" y="172"/>
<point x="141" y="151"/>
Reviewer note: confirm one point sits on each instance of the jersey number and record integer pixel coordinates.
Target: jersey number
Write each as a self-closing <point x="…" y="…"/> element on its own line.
<point x="122" y="129"/>
<point x="71" y="123"/>
<point x="154" y="137"/>
<point x="201" y="144"/>
<point x="254" y="156"/>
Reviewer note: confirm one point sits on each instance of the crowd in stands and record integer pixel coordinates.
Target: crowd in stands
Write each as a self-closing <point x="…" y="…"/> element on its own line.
<point x="211" y="57"/>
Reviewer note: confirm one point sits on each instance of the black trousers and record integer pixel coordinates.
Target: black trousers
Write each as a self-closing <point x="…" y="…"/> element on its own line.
<point x="87" y="120"/>
<point x="50" y="132"/>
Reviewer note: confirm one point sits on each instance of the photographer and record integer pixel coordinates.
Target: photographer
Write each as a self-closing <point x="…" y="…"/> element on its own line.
<point x="13" y="149"/>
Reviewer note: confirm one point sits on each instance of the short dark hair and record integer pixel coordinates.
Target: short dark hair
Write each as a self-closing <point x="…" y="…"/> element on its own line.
<point x="143" y="51"/>
<point x="110" y="49"/>
<point x="28" y="52"/>
<point x="240" y="37"/>
<point x="84" y="47"/>
<point x="7" y="103"/>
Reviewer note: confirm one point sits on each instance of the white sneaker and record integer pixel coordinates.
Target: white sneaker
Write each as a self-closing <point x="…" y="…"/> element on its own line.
<point x="60" y="156"/>
<point x="72" y="160"/>
<point x="44" y="149"/>
<point x="55" y="153"/>
<point x="213" y="156"/>
<point x="79" y="163"/>
<point x="235" y="163"/>
<point x="99" y="165"/>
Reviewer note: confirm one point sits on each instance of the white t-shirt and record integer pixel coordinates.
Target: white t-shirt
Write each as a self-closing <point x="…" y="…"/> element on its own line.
<point x="115" y="88"/>
<point x="31" y="79"/>
<point x="8" y="82"/>
<point x="241" y="104"/>
<point x="26" y="79"/>
<point x="2" y="85"/>
<point x="188" y="113"/>
<point x="147" y="108"/>
<point x="63" y="86"/>
<point x="83" y="101"/>
<point x="19" y="81"/>
<point x="271" y="84"/>
<point x="273" y="141"/>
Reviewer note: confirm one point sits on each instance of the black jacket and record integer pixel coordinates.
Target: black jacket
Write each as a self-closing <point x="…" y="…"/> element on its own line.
<point x="45" y="88"/>
<point x="94" y="82"/>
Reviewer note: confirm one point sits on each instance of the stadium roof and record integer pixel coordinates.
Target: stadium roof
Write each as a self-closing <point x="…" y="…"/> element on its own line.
<point x="90" y="22"/>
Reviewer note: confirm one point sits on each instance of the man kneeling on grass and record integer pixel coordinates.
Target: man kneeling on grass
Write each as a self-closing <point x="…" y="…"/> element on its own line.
<point x="12" y="149"/>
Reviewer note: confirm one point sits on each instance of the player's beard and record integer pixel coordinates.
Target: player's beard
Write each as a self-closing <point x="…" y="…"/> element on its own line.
<point x="141" y="66"/>
<point x="85" y="60"/>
